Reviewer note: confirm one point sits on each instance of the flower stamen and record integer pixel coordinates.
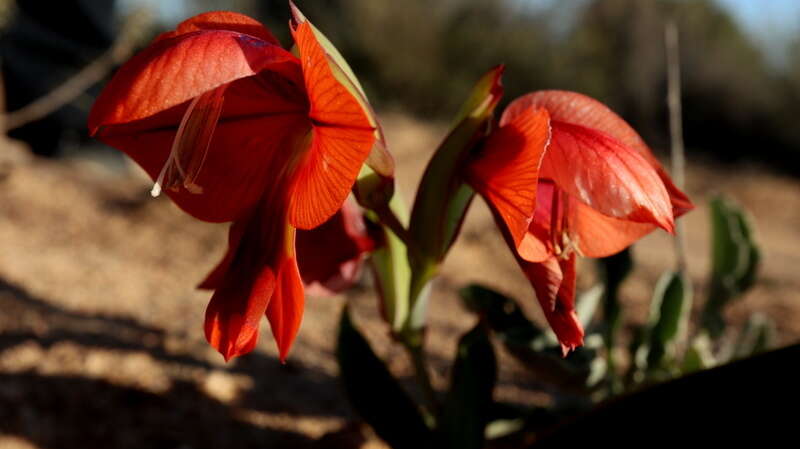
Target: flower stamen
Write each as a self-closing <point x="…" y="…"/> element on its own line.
<point x="191" y="144"/>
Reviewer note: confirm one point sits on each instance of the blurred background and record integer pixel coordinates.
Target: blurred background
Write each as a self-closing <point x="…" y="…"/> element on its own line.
<point x="100" y="329"/>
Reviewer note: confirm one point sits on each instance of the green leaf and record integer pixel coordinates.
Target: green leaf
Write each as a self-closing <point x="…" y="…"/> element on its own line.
<point x="613" y="270"/>
<point x="442" y="200"/>
<point x="502" y="313"/>
<point x="735" y="258"/>
<point x="375" y="394"/>
<point x="468" y="404"/>
<point x="698" y="355"/>
<point x="668" y="313"/>
<point x="539" y="351"/>
<point x="587" y="304"/>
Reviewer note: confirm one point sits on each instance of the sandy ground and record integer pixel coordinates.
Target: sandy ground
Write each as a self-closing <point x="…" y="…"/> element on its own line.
<point x="101" y="340"/>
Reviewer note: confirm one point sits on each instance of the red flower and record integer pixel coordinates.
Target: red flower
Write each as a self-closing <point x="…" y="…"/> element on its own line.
<point x="599" y="190"/>
<point x="235" y="128"/>
<point x="345" y="241"/>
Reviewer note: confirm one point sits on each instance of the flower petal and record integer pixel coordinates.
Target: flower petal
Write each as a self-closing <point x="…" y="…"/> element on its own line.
<point x="331" y="254"/>
<point x="572" y="107"/>
<point x="506" y="171"/>
<point x="596" y="235"/>
<point x="173" y="71"/>
<point x="214" y="279"/>
<point x="258" y="272"/>
<point x="222" y="20"/>
<point x="554" y="283"/>
<point x="234" y="313"/>
<point x="606" y="175"/>
<point x="326" y="175"/>
<point x="243" y="160"/>
<point x="285" y="311"/>
<point x="342" y="138"/>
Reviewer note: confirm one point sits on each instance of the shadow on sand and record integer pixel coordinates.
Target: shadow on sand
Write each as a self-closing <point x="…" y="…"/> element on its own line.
<point x="67" y="410"/>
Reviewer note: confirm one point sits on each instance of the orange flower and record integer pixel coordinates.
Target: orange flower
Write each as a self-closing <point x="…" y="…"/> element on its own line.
<point x="234" y="128"/>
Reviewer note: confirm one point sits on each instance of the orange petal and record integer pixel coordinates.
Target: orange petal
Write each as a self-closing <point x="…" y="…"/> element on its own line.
<point x="335" y="99"/>
<point x="598" y="235"/>
<point x="507" y="170"/>
<point x="222" y="20"/>
<point x="173" y="71"/>
<point x="342" y="138"/>
<point x="606" y="175"/>
<point x="285" y="311"/>
<point x="554" y="283"/>
<point x="326" y="175"/>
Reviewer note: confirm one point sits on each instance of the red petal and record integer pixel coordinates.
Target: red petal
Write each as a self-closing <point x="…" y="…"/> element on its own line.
<point x="234" y="313"/>
<point x="578" y="109"/>
<point x="215" y="277"/>
<point x="572" y="107"/>
<point x="257" y="276"/>
<point x="330" y="255"/>
<point x="173" y="71"/>
<point x="606" y="175"/>
<point x="222" y="20"/>
<point x="554" y="283"/>
<point x="285" y="311"/>
<point x="598" y="235"/>
<point x="591" y="233"/>
<point x="241" y="163"/>
<point x="506" y="171"/>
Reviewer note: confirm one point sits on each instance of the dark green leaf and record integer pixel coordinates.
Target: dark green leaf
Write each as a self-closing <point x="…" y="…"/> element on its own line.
<point x="536" y="349"/>
<point x="668" y="311"/>
<point x="375" y="394"/>
<point x="613" y="270"/>
<point x="735" y="259"/>
<point x="468" y="404"/>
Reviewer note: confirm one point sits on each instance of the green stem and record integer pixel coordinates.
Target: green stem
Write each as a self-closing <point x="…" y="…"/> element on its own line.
<point x="389" y="219"/>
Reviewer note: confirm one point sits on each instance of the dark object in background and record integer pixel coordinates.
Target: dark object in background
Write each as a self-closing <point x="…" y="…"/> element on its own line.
<point x="44" y="45"/>
<point x="748" y="400"/>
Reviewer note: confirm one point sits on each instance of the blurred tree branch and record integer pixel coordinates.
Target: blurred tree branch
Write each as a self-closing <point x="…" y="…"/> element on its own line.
<point x="72" y="88"/>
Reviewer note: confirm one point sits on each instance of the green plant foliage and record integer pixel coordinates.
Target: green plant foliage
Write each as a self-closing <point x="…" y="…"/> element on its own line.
<point x="468" y="404"/>
<point x="539" y="351"/>
<point x="668" y="312"/>
<point x="375" y="394"/>
<point x="698" y="355"/>
<point x="757" y="336"/>
<point x="391" y="269"/>
<point x="735" y="258"/>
